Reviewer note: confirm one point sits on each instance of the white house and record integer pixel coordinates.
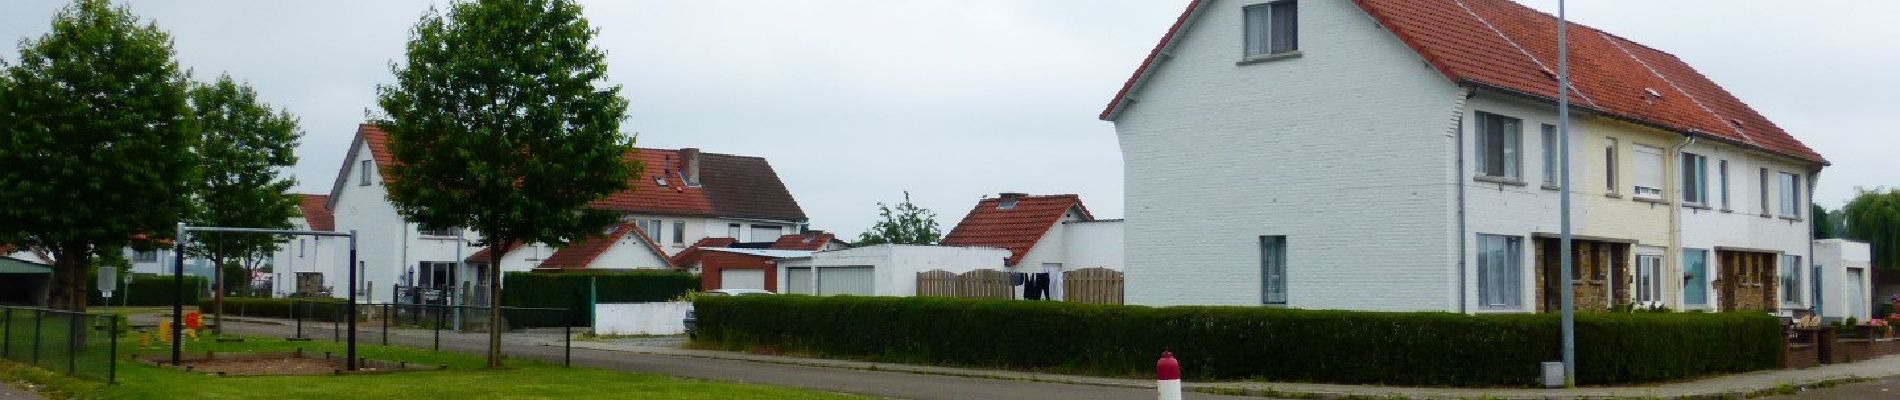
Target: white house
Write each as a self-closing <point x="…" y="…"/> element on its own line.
<point x="1403" y="155"/>
<point x="1845" y="283"/>
<point x="310" y="265"/>
<point x="880" y="270"/>
<point x="683" y="196"/>
<point x="1045" y="234"/>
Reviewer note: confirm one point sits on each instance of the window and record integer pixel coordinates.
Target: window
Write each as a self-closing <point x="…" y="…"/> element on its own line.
<point x="732" y="231"/>
<point x="1498" y="144"/>
<point x="1609" y="166"/>
<point x="427" y="230"/>
<point x="1764" y="192"/>
<point x="651" y="227"/>
<point x="1649" y="278"/>
<point x="1791" y="280"/>
<point x="1008" y="203"/>
<point x="765" y="233"/>
<point x="1550" y="155"/>
<point x="145" y="256"/>
<point x="1721" y="170"/>
<point x="1273" y="270"/>
<point x="679" y="232"/>
<point x="1272" y="28"/>
<point x="1695" y="277"/>
<point x="300" y="247"/>
<point x="1500" y="272"/>
<point x="1790" y="195"/>
<point x="1649" y="172"/>
<point x="1695" y="179"/>
<point x="363" y="174"/>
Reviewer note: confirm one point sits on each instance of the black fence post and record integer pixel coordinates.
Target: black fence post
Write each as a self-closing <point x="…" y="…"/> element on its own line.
<point x="386" y="310"/>
<point x="6" y="338"/>
<point x="73" y="333"/>
<point x="297" y="316"/>
<point x="336" y="330"/>
<point x="38" y="316"/>
<point x="438" y="331"/>
<point x="567" y="344"/>
<point x="112" y="355"/>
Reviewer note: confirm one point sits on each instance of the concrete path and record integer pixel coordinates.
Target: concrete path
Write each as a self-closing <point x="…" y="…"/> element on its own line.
<point x="1885" y="388"/>
<point x="885" y="384"/>
<point x="8" y="391"/>
<point x="663" y="355"/>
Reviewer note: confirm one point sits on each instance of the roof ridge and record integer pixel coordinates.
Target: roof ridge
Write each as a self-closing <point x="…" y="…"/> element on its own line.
<point x="1521" y="50"/>
<point x="1692" y="98"/>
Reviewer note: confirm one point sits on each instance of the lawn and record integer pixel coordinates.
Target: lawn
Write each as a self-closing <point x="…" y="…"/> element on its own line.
<point x="465" y="378"/>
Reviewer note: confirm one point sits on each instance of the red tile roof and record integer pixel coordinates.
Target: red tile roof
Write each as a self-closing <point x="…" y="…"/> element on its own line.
<point x="1016" y="228"/>
<point x="584" y="252"/>
<point x="692" y="254"/>
<point x="481" y="256"/>
<point x="316" y="212"/>
<point x="730" y="186"/>
<point x="1505" y="46"/>
<point x="808" y="241"/>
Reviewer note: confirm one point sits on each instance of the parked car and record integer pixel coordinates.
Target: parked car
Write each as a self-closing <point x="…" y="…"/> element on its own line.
<point x="692" y="319"/>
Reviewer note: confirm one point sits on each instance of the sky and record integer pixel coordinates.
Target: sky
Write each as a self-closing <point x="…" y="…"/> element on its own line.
<point x="856" y="101"/>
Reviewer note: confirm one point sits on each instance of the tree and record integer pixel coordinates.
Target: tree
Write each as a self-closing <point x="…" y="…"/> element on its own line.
<point x="97" y="142"/>
<point x="502" y="121"/>
<point x="246" y="146"/>
<point x="907" y="224"/>
<point x="1821" y="222"/>
<point x="1874" y="217"/>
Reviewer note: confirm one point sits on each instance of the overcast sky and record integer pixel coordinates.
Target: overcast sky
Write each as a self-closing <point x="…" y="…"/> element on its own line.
<point x="856" y="101"/>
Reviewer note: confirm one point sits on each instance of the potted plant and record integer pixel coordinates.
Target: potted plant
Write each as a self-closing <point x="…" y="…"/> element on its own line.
<point x="1881" y="328"/>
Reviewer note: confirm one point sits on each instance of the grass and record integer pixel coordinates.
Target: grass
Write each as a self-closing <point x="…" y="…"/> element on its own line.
<point x="465" y="378"/>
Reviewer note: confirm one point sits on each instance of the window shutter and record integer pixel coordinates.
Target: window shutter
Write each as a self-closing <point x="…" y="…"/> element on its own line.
<point x="1649" y="171"/>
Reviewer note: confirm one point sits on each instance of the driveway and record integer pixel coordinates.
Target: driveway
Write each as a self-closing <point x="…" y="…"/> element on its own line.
<point x="884" y="384"/>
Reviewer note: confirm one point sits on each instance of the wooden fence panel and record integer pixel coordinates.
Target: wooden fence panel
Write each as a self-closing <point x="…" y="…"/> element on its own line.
<point x="985" y="284"/>
<point x="936" y="283"/>
<point x="1092" y="286"/>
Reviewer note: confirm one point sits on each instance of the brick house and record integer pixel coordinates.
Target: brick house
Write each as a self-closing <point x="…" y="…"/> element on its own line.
<point x="1402" y="155"/>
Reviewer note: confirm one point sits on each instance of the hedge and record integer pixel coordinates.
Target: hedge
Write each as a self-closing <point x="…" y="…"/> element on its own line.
<point x="147" y="290"/>
<point x="1427" y="348"/>
<point x="569" y="290"/>
<point x="310" y="309"/>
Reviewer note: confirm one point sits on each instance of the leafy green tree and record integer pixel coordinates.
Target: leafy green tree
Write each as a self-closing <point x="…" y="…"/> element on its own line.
<point x="246" y="146"/>
<point x="1822" y="223"/>
<point x="95" y="141"/>
<point x="502" y="121"/>
<point x="1874" y="217"/>
<point x="905" y="224"/>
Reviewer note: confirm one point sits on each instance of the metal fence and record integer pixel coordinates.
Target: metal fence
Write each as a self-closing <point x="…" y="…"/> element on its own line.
<point x="408" y="323"/>
<point x="79" y="344"/>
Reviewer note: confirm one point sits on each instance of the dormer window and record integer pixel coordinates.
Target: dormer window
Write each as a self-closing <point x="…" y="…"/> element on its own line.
<point x="1272" y="28"/>
<point x="659" y="180"/>
<point x="1007" y="203"/>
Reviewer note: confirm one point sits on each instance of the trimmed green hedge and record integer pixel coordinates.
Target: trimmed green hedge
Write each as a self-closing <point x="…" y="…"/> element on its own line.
<point x="147" y="290"/>
<point x="1428" y="348"/>
<point x="569" y="290"/>
<point x="311" y="309"/>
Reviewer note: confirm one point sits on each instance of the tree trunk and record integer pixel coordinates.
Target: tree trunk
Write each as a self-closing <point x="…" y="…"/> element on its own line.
<point x="495" y="247"/>
<point x="70" y="261"/>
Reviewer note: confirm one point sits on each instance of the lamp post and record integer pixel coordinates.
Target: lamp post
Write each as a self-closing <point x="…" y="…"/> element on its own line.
<point x="1563" y="134"/>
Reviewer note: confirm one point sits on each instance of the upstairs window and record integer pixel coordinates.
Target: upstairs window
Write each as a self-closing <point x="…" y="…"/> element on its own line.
<point x="766" y="233"/>
<point x="145" y="256"/>
<point x="679" y="232"/>
<point x="1790" y="195"/>
<point x="1649" y="172"/>
<point x="363" y="174"/>
<point x="1550" y="155"/>
<point x="1695" y="179"/>
<point x="1721" y="168"/>
<point x="1764" y="192"/>
<point x="732" y="231"/>
<point x="1498" y="144"/>
<point x="651" y="227"/>
<point x="1272" y="28"/>
<point x="1609" y="166"/>
<point x="427" y="230"/>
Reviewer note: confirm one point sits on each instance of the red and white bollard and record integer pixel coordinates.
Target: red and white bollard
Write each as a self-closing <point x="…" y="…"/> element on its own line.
<point x="1168" y="377"/>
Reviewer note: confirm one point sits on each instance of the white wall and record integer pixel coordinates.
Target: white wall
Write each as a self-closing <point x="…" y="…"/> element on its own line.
<point x="666" y="318"/>
<point x="628" y="253"/>
<point x="1515" y="210"/>
<point x="700" y="228"/>
<point x="896" y="266"/>
<point x="1834" y="257"/>
<point x="1745" y="226"/>
<point x="1092" y="244"/>
<point x="1051" y="248"/>
<point x="323" y="255"/>
<point x="1346" y="150"/>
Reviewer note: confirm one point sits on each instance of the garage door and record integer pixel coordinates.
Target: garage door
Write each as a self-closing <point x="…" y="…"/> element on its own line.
<point x="856" y="281"/>
<point x="798" y="280"/>
<point x="742" y="279"/>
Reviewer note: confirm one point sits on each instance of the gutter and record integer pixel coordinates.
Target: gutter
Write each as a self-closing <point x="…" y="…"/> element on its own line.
<point x="1463" y="296"/>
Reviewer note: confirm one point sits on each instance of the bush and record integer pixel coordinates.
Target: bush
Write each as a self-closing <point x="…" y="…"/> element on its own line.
<point x="310" y="309"/>
<point x="569" y="291"/>
<point x="147" y="290"/>
<point x="1243" y="342"/>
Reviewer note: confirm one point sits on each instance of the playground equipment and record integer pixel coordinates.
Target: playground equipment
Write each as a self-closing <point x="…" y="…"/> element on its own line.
<point x="178" y="274"/>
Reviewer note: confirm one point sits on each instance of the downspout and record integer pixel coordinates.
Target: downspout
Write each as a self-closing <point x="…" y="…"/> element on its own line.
<point x="1675" y="221"/>
<point x="1807" y="266"/>
<point x="1464" y="297"/>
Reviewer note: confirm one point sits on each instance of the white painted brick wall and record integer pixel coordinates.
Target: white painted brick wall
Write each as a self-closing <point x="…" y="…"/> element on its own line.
<point x="1346" y="150"/>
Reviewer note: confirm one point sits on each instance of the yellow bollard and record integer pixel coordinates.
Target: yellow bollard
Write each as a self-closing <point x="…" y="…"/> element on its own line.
<point x="165" y="332"/>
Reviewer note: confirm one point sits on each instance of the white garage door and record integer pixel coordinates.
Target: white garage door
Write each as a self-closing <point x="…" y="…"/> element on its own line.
<point x="798" y="280"/>
<point x="856" y="281"/>
<point x="742" y="279"/>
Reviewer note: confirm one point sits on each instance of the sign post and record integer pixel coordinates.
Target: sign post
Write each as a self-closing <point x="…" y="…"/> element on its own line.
<point x="108" y="281"/>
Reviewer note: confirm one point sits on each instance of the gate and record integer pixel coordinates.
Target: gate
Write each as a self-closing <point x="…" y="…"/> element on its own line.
<point x="1092" y="286"/>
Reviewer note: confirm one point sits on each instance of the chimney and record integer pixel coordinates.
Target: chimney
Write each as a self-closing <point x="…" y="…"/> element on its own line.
<point x="689" y="165"/>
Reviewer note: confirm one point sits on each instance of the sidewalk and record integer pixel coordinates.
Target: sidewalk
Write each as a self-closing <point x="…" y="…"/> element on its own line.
<point x="1743" y="385"/>
<point x="8" y="391"/>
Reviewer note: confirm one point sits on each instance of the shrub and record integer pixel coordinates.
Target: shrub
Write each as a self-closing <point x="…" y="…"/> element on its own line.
<point x="569" y="291"/>
<point x="1427" y="348"/>
<point x="147" y="290"/>
<point x="310" y="309"/>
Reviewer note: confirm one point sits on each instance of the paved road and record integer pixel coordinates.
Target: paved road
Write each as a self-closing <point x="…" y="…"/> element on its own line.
<point x="872" y="383"/>
<point x="1888" y="388"/>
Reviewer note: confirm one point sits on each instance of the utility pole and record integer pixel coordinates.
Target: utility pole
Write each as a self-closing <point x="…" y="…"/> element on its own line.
<point x="1563" y="134"/>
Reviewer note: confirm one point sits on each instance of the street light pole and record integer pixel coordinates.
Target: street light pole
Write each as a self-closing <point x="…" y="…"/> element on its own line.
<point x="1563" y="134"/>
